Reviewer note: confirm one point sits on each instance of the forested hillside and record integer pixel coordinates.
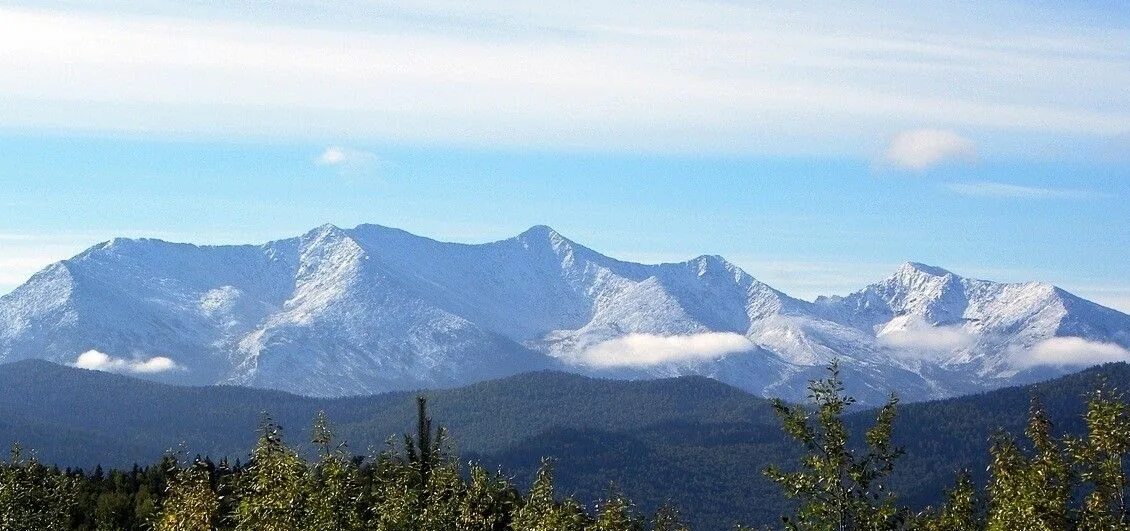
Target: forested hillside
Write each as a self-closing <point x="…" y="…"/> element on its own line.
<point x="115" y="420"/>
<point x="947" y="435"/>
<point x="692" y="441"/>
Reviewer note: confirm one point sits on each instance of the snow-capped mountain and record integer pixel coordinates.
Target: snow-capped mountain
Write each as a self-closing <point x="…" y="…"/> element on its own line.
<point x="988" y="329"/>
<point x="349" y="311"/>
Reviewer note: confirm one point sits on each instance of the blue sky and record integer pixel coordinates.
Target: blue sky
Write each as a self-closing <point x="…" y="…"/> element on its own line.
<point x="816" y="146"/>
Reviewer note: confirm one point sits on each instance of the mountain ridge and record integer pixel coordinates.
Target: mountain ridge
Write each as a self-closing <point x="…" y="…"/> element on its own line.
<point x="336" y="312"/>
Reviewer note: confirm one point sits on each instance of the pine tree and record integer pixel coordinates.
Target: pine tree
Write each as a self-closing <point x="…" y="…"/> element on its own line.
<point x="570" y="515"/>
<point x="540" y="510"/>
<point x="190" y="504"/>
<point x="617" y="514"/>
<point x="667" y="518"/>
<point x="489" y="502"/>
<point x="960" y="512"/>
<point x="535" y="513"/>
<point x="425" y="450"/>
<point x="34" y="497"/>
<point x="1100" y="459"/>
<point x="395" y="493"/>
<point x="443" y="498"/>
<point x="838" y="491"/>
<point x="419" y="487"/>
<point x="335" y="494"/>
<point x="1029" y="494"/>
<point x="271" y="488"/>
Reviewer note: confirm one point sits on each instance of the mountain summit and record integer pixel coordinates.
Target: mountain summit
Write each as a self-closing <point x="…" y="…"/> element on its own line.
<point x="351" y="311"/>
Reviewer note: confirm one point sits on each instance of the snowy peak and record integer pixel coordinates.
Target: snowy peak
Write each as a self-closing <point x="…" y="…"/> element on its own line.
<point x="372" y="308"/>
<point x="542" y="233"/>
<point x="911" y="270"/>
<point x="928" y="293"/>
<point x="543" y="240"/>
<point x="918" y="281"/>
<point x="329" y="265"/>
<point x="992" y="329"/>
<point x="328" y="245"/>
<point x="714" y="265"/>
<point x="328" y="230"/>
<point x="932" y="293"/>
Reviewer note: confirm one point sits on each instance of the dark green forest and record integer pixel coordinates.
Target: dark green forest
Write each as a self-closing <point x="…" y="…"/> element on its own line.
<point x="823" y="466"/>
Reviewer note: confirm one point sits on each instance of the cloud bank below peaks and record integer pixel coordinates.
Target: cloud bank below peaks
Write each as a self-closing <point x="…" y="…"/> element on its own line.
<point x="917" y="338"/>
<point x="645" y="350"/>
<point x="99" y="361"/>
<point x="1069" y="352"/>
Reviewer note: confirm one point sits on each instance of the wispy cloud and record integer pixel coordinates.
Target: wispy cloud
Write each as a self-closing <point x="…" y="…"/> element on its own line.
<point x="922" y="149"/>
<point x="1015" y="191"/>
<point x="645" y="350"/>
<point x="99" y="361"/>
<point x="717" y="76"/>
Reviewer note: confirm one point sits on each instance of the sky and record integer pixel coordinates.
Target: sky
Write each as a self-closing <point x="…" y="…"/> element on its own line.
<point x="817" y="146"/>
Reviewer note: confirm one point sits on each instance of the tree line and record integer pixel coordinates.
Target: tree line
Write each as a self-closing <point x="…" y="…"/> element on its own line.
<point x="1040" y="481"/>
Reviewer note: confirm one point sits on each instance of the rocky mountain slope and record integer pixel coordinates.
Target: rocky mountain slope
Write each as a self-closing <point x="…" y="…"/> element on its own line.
<point x="353" y="311"/>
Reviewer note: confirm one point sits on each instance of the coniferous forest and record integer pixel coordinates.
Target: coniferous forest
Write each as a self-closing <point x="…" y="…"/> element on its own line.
<point x="1037" y="480"/>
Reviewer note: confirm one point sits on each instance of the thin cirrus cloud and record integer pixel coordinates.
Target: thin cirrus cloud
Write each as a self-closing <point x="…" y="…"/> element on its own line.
<point x="100" y="361"/>
<point x="646" y="350"/>
<point x="923" y="149"/>
<point x="990" y="189"/>
<point x="1069" y="352"/>
<point x="692" y="77"/>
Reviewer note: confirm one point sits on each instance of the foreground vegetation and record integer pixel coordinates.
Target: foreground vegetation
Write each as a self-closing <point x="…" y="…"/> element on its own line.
<point x="1042" y="482"/>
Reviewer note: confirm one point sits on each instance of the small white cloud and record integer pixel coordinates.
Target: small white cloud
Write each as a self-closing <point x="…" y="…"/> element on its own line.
<point x="346" y="157"/>
<point x="1069" y="352"/>
<point x="922" y="149"/>
<point x="919" y="338"/>
<point x="1015" y="191"/>
<point x="644" y="350"/>
<point x="98" y="361"/>
<point x="154" y="365"/>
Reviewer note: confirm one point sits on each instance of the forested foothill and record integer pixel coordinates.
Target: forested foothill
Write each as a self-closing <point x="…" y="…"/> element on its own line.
<point x="1060" y="467"/>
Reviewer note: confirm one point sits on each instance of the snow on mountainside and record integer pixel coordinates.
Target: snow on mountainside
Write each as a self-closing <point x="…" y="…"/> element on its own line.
<point x="349" y="311"/>
<point x="989" y="329"/>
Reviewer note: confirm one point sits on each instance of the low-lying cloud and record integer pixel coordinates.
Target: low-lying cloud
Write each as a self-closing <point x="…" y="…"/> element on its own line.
<point x="644" y="350"/>
<point x="1069" y="351"/>
<point x="924" y="338"/>
<point x="99" y="361"/>
<point x="922" y="149"/>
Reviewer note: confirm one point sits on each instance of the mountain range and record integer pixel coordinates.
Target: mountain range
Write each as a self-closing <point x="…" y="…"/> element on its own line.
<point x="337" y="312"/>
